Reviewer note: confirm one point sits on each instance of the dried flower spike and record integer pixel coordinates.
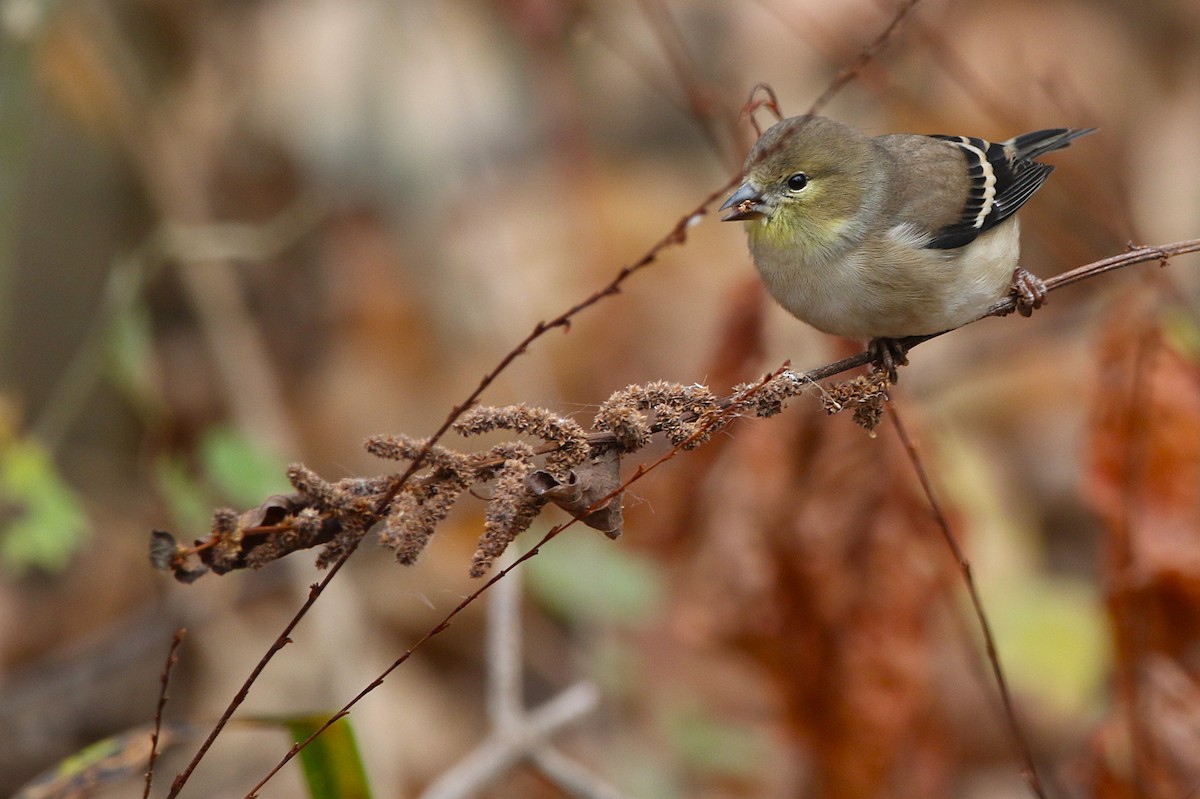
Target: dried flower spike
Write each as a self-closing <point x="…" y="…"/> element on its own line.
<point x="864" y="395"/>
<point x="571" y="438"/>
<point x="511" y="511"/>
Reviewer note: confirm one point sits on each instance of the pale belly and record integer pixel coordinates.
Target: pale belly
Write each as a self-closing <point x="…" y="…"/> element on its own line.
<point x="890" y="290"/>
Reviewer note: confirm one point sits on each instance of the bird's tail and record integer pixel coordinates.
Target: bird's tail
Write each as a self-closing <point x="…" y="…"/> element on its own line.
<point x="1031" y="145"/>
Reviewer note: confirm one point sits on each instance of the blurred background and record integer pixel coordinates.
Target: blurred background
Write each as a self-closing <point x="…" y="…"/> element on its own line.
<point x="235" y="235"/>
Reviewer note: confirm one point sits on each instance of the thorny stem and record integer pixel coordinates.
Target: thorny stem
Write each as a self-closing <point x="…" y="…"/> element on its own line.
<point x="719" y="420"/>
<point x="964" y="567"/>
<point x="165" y="680"/>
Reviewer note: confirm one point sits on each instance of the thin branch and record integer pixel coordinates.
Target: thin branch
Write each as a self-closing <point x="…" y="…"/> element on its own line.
<point x="280" y="642"/>
<point x="726" y="406"/>
<point x="165" y="679"/>
<point x="964" y="567"/>
<point x="791" y="384"/>
<point x="1134" y="255"/>
<point x="866" y="57"/>
<point x="699" y="101"/>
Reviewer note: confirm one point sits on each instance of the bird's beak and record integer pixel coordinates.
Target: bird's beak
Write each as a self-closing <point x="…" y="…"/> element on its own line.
<point x="747" y="203"/>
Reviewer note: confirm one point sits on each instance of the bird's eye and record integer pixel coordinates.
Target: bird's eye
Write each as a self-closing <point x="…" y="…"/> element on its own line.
<point x="797" y="181"/>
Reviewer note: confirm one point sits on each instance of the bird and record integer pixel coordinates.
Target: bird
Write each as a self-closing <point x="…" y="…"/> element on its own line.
<point x="883" y="237"/>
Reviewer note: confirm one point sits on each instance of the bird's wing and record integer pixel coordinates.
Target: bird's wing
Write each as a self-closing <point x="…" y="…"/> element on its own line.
<point x="999" y="181"/>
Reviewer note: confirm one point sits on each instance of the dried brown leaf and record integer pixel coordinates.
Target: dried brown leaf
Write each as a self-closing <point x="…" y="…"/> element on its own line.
<point x="588" y="483"/>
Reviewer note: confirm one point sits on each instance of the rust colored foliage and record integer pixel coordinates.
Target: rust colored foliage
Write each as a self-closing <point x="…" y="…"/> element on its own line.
<point x="810" y="549"/>
<point x="844" y="584"/>
<point x="1144" y="482"/>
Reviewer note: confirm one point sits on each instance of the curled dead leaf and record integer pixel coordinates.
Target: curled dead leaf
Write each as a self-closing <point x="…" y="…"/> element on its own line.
<point x="585" y="485"/>
<point x="272" y="510"/>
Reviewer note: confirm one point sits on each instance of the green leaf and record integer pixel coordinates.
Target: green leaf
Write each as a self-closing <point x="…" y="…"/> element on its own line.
<point x="131" y="353"/>
<point x="42" y="522"/>
<point x="189" y="503"/>
<point x="712" y="746"/>
<point x="332" y="765"/>
<point x="1182" y="333"/>
<point x="105" y="763"/>
<point x="244" y="472"/>
<point x="583" y="576"/>
<point x="1052" y="634"/>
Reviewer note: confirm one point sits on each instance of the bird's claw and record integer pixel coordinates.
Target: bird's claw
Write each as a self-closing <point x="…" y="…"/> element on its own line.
<point x="886" y="355"/>
<point x="1029" y="290"/>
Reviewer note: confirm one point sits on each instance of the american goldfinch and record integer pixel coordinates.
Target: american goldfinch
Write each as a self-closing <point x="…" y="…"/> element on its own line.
<point x="890" y="236"/>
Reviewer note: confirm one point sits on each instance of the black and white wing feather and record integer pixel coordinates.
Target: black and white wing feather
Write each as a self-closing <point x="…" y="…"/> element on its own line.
<point x="1002" y="176"/>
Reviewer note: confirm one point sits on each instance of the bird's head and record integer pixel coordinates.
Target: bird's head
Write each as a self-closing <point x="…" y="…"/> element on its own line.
<point x="806" y="180"/>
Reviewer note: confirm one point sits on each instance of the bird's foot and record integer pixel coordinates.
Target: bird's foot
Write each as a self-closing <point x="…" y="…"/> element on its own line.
<point x="1029" y="291"/>
<point x="886" y="355"/>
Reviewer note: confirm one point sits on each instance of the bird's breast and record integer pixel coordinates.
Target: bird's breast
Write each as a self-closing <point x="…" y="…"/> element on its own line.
<point x="887" y="287"/>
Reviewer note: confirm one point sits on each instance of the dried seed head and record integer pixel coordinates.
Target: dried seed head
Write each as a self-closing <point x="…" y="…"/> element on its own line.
<point x="417" y="511"/>
<point x="571" y="439"/>
<point x="511" y="511"/>
<point x="628" y="425"/>
<point x="405" y="448"/>
<point x="226" y="552"/>
<point x="312" y="487"/>
<point x="308" y="524"/>
<point x="687" y="415"/>
<point x="864" y="395"/>
<point x="351" y="532"/>
<point x="766" y="399"/>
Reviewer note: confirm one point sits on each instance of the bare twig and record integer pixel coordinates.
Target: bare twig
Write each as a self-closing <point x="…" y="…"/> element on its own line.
<point x="1016" y="730"/>
<point x="699" y="101"/>
<point x="727" y="406"/>
<point x="165" y="679"/>
<point x="755" y="102"/>
<point x="1134" y="255"/>
<point x="279" y="643"/>
<point x="866" y="57"/>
